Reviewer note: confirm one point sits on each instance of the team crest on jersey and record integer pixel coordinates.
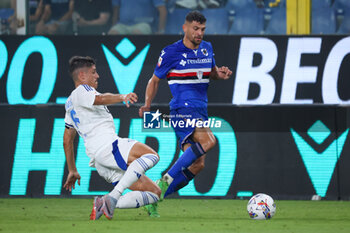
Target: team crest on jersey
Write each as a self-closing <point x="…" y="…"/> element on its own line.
<point x="160" y="59"/>
<point x="200" y="74"/>
<point x="205" y="52"/>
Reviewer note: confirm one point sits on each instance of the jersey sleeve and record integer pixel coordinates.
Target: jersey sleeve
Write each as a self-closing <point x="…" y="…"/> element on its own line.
<point x="85" y="96"/>
<point x="164" y="64"/>
<point x="213" y="64"/>
<point x="68" y="121"/>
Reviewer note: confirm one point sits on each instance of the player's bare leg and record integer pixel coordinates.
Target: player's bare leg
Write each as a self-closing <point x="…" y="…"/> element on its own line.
<point x="207" y="141"/>
<point x="204" y="140"/>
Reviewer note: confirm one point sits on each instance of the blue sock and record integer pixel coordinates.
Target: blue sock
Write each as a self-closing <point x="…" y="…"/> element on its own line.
<point x="180" y="181"/>
<point x="186" y="159"/>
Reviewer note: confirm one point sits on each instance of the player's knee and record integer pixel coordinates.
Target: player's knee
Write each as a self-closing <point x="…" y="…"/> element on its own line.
<point x="212" y="142"/>
<point x="209" y="143"/>
<point x="207" y="140"/>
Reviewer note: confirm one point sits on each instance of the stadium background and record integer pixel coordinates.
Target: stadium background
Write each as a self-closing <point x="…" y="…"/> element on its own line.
<point x="285" y="134"/>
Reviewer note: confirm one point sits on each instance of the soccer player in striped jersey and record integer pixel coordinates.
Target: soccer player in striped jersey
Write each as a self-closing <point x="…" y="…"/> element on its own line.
<point x="120" y="161"/>
<point x="188" y="65"/>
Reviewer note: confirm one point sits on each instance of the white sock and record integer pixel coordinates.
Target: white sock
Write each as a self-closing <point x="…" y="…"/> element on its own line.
<point x="136" y="169"/>
<point x="135" y="199"/>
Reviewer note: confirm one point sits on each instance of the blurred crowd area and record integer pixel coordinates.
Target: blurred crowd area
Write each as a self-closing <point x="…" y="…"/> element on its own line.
<point x="114" y="17"/>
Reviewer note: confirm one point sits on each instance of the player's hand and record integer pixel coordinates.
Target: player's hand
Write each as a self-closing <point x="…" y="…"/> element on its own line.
<point x="131" y="97"/>
<point x="224" y="72"/>
<point x="70" y="182"/>
<point x="144" y="109"/>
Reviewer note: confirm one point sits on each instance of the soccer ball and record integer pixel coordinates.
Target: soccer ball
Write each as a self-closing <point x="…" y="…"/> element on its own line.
<point x="261" y="206"/>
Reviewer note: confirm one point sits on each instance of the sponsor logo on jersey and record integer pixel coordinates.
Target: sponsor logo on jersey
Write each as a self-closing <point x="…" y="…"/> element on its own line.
<point x="199" y="61"/>
<point x="182" y="62"/>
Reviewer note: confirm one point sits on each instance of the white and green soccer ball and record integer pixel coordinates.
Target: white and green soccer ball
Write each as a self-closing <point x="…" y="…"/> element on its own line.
<point x="261" y="206"/>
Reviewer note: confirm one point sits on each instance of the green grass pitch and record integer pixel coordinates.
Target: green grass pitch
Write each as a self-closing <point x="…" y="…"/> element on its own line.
<point x="51" y="215"/>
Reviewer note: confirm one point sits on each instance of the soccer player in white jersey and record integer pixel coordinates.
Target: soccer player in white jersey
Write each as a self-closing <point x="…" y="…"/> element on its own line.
<point x="120" y="161"/>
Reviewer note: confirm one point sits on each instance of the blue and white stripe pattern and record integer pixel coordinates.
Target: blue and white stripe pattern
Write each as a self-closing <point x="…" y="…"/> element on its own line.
<point x="145" y="198"/>
<point x="152" y="157"/>
<point x="147" y="161"/>
<point x="87" y="87"/>
<point x="143" y="164"/>
<point x="154" y="197"/>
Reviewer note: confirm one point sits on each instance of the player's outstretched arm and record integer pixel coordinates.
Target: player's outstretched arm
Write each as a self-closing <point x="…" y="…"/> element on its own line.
<point x="68" y="145"/>
<point x="108" y="98"/>
<point x="220" y="73"/>
<point x="151" y="91"/>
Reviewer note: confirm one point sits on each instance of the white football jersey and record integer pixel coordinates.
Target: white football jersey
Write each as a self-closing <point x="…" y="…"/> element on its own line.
<point x="94" y="123"/>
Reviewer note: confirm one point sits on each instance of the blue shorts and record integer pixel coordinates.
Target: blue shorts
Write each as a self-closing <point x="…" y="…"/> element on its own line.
<point x="183" y="134"/>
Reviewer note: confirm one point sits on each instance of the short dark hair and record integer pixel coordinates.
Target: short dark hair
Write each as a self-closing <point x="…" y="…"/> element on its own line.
<point x="195" y="16"/>
<point x="78" y="62"/>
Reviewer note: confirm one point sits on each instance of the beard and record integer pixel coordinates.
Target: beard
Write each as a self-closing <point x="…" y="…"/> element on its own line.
<point x="196" y="41"/>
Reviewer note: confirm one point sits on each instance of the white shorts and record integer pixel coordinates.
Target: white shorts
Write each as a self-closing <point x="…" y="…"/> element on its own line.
<point x="111" y="163"/>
